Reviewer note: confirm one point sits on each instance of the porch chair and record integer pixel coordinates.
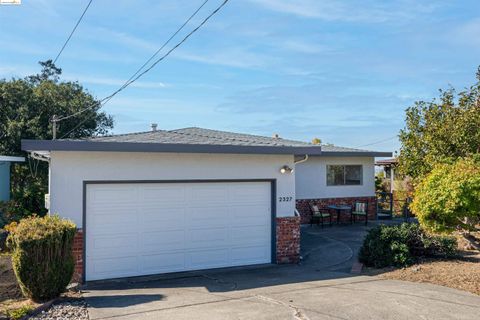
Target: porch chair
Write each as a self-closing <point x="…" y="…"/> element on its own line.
<point x="360" y="209"/>
<point x="319" y="215"/>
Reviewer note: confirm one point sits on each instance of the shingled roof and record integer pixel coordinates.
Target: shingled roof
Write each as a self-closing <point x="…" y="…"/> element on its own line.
<point x="196" y="135"/>
<point x="195" y="140"/>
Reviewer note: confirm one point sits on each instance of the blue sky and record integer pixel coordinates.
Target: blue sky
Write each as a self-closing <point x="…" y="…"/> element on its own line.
<point x="343" y="71"/>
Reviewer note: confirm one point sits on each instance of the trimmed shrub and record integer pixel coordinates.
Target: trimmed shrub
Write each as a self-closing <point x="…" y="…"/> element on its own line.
<point x="402" y="245"/>
<point x="42" y="256"/>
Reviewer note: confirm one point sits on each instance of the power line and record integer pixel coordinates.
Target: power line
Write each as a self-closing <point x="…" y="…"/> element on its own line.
<point x="377" y="142"/>
<point x="164" y="45"/>
<point x="73" y="30"/>
<point x="139" y="75"/>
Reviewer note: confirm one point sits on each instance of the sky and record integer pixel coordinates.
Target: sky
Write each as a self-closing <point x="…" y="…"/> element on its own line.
<point x="342" y="71"/>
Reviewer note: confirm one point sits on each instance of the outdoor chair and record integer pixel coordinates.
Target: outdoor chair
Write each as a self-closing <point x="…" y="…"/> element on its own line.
<point x="360" y="209"/>
<point x="319" y="215"/>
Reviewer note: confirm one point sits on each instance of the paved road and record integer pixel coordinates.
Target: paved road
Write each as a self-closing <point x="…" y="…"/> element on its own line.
<point x="321" y="287"/>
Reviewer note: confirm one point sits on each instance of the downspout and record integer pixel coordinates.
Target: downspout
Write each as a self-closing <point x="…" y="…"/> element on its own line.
<point x="300" y="161"/>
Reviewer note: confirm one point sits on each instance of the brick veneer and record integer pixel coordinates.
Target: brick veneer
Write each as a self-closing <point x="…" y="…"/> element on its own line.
<point x="288" y="240"/>
<point x="78" y="256"/>
<point x="305" y="213"/>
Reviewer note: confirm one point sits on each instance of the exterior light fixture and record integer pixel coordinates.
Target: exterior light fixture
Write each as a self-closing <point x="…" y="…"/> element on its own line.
<point x="286" y="169"/>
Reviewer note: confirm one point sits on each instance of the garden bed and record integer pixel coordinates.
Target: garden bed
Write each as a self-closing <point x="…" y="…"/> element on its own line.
<point x="462" y="273"/>
<point x="11" y="297"/>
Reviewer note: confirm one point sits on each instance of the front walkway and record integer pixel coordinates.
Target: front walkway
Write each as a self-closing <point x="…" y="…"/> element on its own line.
<point x="321" y="287"/>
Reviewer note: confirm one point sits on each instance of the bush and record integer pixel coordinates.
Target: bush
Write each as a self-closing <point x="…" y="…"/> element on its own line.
<point x="42" y="256"/>
<point x="402" y="245"/>
<point x="449" y="197"/>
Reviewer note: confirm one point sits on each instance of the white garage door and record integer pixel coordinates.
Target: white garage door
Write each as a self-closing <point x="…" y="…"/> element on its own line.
<point x="140" y="229"/>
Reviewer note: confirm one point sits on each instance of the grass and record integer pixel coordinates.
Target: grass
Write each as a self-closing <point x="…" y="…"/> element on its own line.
<point x="20" y="312"/>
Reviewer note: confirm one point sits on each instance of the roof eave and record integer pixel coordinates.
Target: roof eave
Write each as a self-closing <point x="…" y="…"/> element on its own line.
<point x="355" y="154"/>
<point x="68" y="145"/>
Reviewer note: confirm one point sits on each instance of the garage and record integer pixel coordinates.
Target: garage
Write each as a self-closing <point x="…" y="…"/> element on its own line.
<point x="166" y="201"/>
<point x="135" y="229"/>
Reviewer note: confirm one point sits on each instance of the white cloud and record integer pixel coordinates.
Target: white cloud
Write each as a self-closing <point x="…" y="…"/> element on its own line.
<point x="117" y="82"/>
<point x="351" y="11"/>
<point x="232" y="57"/>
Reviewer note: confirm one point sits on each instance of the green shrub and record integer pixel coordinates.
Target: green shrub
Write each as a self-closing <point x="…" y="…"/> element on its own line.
<point x="401" y="245"/>
<point x="449" y="197"/>
<point x="42" y="256"/>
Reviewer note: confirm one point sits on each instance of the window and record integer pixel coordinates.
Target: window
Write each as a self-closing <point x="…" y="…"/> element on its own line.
<point x="344" y="175"/>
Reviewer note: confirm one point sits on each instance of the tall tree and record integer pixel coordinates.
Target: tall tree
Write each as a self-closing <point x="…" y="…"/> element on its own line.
<point x="26" y="108"/>
<point x="442" y="130"/>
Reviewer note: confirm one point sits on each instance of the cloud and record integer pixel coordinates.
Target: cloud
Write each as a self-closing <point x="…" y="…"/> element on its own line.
<point x="349" y="11"/>
<point x="312" y="98"/>
<point x="238" y="57"/>
<point x="117" y="82"/>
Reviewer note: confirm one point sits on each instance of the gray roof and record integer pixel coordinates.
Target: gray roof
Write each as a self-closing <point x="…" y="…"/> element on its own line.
<point x="201" y="136"/>
<point x="194" y="140"/>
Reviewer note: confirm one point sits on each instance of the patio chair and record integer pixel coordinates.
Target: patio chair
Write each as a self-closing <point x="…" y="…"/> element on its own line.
<point x="360" y="209"/>
<point x="319" y="215"/>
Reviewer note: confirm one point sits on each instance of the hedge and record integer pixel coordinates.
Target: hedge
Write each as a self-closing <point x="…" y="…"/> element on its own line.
<point x="42" y="256"/>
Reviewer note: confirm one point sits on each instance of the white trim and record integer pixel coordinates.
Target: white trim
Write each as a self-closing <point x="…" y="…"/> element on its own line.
<point x="12" y="159"/>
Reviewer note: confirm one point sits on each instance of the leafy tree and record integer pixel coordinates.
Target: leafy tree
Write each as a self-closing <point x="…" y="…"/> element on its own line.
<point x="449" y="197"/>
<point x="26" y="109"/>
<point x="316" y="141"/>
<point x="442" y="130"/>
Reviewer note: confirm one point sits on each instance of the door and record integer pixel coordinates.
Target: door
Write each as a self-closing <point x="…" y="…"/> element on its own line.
<point x="135" y="229"/>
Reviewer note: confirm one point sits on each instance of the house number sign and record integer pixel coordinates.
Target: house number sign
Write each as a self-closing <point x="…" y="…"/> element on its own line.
<point x="285" y="199"/>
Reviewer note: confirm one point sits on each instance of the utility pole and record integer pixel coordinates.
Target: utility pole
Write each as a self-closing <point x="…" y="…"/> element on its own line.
<point x="54" y="127"/>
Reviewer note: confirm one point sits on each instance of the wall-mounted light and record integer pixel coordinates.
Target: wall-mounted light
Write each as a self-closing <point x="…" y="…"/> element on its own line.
<point x="286" y="169"/>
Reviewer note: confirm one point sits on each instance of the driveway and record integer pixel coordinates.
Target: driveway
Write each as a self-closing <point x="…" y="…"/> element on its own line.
<point x="321" y="287"/>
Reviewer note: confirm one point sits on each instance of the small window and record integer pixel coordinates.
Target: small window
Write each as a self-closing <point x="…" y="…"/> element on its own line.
<point x="344" y="175"/>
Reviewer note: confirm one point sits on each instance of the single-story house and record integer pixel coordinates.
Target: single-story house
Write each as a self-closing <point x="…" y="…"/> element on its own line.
<point x="190" y="199"/>
<point x="5" y="163"/>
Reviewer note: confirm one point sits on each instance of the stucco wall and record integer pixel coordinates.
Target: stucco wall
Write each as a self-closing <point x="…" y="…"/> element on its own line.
<point x="69" y="169"/>
<point x="311" y="178"/>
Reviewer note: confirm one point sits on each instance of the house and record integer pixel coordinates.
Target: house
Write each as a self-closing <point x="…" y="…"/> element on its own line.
<point x="337" y="175"/>
<point x="178" y="200"/>
<point x="5" y="163"/>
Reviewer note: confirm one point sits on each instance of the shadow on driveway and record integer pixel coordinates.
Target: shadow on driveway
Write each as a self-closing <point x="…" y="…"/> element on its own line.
<point x="320" y="287"/>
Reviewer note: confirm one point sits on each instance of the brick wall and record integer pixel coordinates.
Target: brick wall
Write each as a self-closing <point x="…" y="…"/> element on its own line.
<point x="288" y="240"/>
<point x="78" y="256"/>
<point x="305" y="213"/>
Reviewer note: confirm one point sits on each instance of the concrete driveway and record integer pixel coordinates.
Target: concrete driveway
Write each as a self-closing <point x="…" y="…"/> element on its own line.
<point x="321" y="287"/>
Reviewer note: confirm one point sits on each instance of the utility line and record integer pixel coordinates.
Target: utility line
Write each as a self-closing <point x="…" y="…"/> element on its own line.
<point x="377" y="142"/>
<point x="163" y="46"/>
<point x="73" y="31"/>
<point x="105" y="100"/>
<point x="139" y="75"/>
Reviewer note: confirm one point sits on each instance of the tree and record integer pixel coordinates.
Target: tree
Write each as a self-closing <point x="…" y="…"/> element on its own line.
<point x="448" y="198"/>
<point x="441" y="130"/>
<point x="26" y="109"/>
<point x="316" y="141"/>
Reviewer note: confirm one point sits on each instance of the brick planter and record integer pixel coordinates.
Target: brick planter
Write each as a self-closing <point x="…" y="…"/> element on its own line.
<point x="306" y="215"/>
<point x="288" y="240"/>
<point x="78" y="256"/>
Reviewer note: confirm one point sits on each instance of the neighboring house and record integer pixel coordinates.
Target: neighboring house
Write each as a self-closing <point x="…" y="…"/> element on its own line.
<point x="389" y="167"/>
<point x="179" y="200"/>
<point x="337" y="176"/>
<point x="5" y="163"/>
